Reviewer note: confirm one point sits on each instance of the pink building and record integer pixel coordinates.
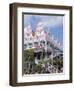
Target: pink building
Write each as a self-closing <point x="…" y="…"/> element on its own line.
<point x="39" y="38"/>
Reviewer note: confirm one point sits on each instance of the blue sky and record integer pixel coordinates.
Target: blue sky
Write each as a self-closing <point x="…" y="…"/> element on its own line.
<point x="52" y="24"/>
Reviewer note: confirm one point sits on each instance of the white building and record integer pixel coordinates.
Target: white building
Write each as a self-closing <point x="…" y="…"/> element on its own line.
<point x="39" y="38"/>
<point x="34" y="39"/>
<point x="41" y="42"/>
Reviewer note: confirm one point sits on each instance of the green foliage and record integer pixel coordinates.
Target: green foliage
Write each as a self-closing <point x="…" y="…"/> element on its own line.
<point x="50" y="61"/>
<point x="39" y="68"/>
<point x="57" y="63"/>
<point x="29" y="55"/>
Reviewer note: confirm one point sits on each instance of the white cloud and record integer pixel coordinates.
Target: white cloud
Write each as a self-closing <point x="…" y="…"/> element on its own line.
<point x="53" y="21"/>
<point x="49" y="21"/>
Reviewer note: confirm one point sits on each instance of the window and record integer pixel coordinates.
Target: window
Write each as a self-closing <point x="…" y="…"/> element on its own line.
<point x="30" y="45"/>
<point x="42" y="43"/>
<point x="35" y="44"/>
<point x="25" y="46"/>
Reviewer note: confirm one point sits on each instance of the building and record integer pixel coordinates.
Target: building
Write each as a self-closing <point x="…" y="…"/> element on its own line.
<point x="43" y="43"/>
<point x="39" y="38"/>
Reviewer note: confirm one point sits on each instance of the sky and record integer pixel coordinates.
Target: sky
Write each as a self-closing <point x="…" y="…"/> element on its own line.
<point x="52" y="24"/>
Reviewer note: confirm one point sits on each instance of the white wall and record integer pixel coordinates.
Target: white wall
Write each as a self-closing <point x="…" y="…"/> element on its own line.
<point x="4" y="46"/>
